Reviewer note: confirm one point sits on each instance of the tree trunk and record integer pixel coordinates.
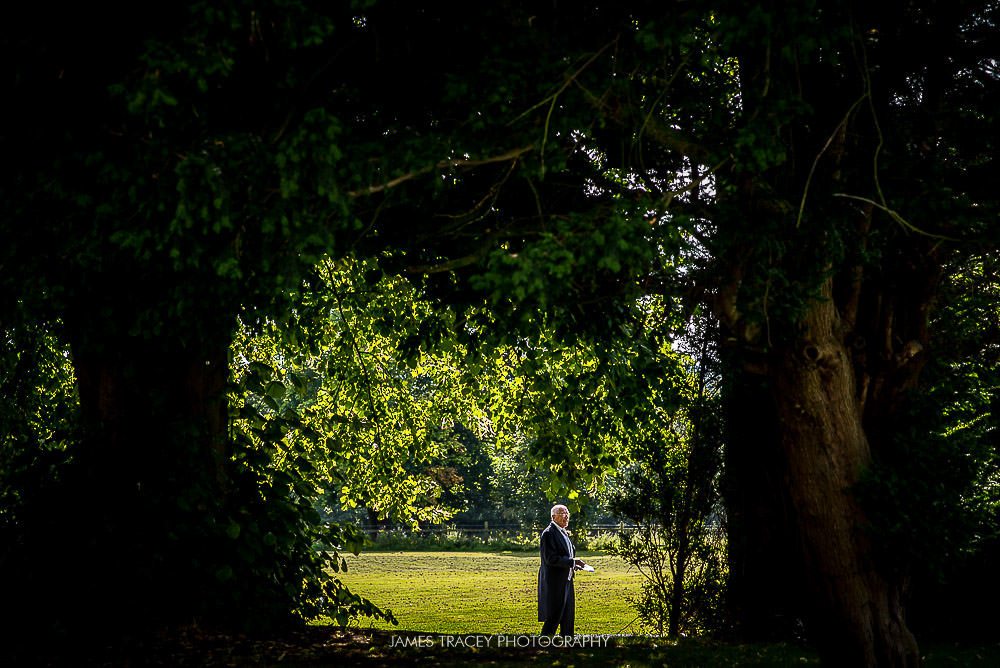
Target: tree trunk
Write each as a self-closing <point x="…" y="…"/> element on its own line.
<point x="855" y="611"/>
<point x="676" y="607"/>
<point x="374" y="523"/>
<point x="151" y="480"/>
<point x="763" y="593"/>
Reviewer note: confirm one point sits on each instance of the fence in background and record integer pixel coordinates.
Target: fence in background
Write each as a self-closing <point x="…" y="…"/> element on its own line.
<point x="482" y="530"/>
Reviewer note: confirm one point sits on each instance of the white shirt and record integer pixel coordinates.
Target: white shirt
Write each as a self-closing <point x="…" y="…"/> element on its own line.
<point x="569" y="546"/>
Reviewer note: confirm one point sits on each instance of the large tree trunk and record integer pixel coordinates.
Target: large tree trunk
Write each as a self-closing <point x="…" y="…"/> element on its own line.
<point x="855" y="611"/>
<point x="836" y="364"/>
<point x="150" y="481"/>
<point x="763" y="585"/>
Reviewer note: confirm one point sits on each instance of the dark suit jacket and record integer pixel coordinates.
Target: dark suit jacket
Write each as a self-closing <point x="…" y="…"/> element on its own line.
<point x="553" y="574"/>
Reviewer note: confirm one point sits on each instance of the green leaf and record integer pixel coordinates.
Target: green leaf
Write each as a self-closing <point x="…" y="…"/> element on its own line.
<point x="233" y="530"/>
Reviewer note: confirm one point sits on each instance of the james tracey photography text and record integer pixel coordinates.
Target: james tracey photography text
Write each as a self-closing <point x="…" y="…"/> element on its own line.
<point x="489" y="641"/>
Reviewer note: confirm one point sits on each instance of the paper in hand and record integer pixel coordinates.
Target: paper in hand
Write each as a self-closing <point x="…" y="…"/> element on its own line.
<point x="588" y="568"/>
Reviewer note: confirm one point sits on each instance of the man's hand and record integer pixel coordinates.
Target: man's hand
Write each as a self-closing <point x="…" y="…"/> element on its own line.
<point x="578" y="564"/>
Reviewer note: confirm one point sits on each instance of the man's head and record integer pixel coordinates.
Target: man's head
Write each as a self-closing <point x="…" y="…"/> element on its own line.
<point x="560" y="515"/>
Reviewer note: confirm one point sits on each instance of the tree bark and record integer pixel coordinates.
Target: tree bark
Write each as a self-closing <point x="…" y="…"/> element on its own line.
<point x="855" y="612"/>
<point x="763" y="592"/>
<point x="151" y="479"/>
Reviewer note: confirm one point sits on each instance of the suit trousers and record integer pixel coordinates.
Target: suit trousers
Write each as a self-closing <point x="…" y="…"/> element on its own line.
<point x="563" y="619"/>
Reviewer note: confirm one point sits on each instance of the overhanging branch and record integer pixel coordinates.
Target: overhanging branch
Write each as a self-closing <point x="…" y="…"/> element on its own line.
<point x="463" y="163"/>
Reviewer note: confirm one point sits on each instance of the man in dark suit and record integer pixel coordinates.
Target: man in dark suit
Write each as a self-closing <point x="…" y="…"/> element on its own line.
<point x="556" y="601"/>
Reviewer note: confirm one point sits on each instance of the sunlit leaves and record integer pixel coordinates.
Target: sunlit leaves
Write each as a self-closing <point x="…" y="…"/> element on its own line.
<point x="370" y="399"/>
<point x="39" y="418"/>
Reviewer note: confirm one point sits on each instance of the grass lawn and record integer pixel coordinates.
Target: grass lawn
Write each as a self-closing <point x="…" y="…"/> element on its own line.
<point x="477" y="592"/>
<point x="495" y="593"/>
<point x="478" y="595"/>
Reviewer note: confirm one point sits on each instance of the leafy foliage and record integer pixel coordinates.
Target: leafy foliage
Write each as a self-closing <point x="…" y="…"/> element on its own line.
<point x="669" y="490"/>
<point x="356" y="392"/>
<point x="39" y="423"/>
<point x="933" y="492"/>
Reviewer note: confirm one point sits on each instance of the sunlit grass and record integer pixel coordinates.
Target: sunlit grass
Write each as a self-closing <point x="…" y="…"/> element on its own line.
<point x="476" y="592"/>
<point x="494" y="593"/>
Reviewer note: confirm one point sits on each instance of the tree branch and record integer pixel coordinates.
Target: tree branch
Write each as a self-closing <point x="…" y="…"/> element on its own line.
<point x="448" y="265"/>
<point x="464" y="163"/>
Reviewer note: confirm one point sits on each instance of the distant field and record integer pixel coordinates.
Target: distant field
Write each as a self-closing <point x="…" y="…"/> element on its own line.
<point x="477" y="592"/>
